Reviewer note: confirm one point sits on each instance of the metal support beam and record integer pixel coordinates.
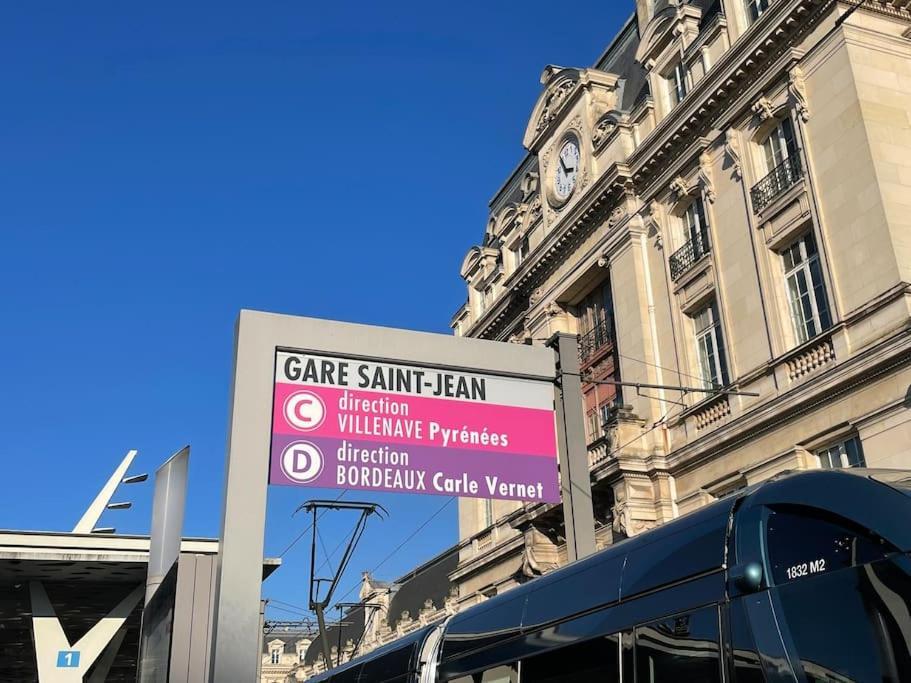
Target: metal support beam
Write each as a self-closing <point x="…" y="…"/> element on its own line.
<point x="575" y="484"/>
<point x="93" y="513"/>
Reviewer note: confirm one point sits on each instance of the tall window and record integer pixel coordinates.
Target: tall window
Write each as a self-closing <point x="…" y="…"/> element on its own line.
<point x="276" y="654"/>
<point x="780" y="145"/>
<point x="845" y="454"/>
<point x="676" y="83"/>
<point x="486" y="297"/>
<point x="755" y="9"/>
<point x="710" y="346"/>
<point x="597" y="418"/>
<point x="597" y="312"/>
<point x="522" y="251"/>
<point x="697" y="228"/>
<point x="806" y="289"/>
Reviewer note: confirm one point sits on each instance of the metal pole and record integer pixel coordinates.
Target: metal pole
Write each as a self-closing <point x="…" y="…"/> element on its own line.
<point x="262" y="631"/>
<point x="575" y="485"/>
<point x="324" y="634"/>
<point x="673" y="387"/>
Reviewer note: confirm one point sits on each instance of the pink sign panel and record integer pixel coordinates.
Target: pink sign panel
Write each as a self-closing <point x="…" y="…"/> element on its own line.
<point x="356" y="424"/>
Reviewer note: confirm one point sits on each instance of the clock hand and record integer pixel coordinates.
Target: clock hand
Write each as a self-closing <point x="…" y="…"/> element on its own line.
<point x="562" y="165"/>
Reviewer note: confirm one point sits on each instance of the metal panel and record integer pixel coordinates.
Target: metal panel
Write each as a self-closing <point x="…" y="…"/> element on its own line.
<point x="593" y="582"/>
<point x="168" y="504"/>
<point x="693" y="545"/>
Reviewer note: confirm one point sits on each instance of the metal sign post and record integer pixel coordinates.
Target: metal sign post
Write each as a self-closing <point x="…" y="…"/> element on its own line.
<point x="493" y="379"/>
<point x="575" y="484"/>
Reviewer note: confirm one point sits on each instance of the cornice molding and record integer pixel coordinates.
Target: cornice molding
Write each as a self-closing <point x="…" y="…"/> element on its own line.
<point x="748" y="60"/>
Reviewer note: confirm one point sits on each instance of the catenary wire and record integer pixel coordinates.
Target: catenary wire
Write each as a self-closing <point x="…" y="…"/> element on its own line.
<point x="310" y="526"/>
<point x="402" y="544"/>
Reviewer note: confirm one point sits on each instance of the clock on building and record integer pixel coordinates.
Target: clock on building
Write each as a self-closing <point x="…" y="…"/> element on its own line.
<point x="567" y="169"/>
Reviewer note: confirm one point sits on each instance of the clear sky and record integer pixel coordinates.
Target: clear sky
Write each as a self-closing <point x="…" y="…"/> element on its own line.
<point x="163" y="165"/>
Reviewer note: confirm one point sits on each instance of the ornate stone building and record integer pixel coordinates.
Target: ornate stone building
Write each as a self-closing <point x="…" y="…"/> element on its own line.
<point x="386" y="611"/>
<point x="722" y="201"/>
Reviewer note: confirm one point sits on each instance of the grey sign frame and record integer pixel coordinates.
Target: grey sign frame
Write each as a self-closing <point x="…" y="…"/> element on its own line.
<point x="236" y="633"/>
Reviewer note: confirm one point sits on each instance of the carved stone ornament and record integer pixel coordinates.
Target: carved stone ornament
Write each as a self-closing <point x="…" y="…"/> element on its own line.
<point x="652" y="223"/>
<point x="679" y="188"/>
<point x="553" y="309"/>
<point x="620" y="514"/>
<point x="604" y="129"/>
<point x="763" y="108"/>
<point x="616" y="216"/>
<point x="534" y="209"/>
<point x="536" y="296"/>
<point x="797" y="90"/>
<point x="705" y="177"/>
<point x="732" y="150"/>
<point x="529" y="185"/>
<point x="554" y="102"/>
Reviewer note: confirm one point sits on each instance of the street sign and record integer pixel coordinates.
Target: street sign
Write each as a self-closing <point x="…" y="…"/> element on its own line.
<point x="375" y="425"/>
<point x="458" y="385"/>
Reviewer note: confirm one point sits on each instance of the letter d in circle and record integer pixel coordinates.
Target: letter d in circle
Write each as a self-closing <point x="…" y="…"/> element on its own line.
<point x="302" y="462"/>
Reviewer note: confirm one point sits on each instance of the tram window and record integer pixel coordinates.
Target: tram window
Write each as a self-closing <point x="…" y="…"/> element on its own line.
<point x="802" y="542"/>
<point x="746" y="660"/>
<point x="680" y="648"/>
<point x="506" y="673"/>
<point x="853" y="625"/>
<point x="592" y="660"/>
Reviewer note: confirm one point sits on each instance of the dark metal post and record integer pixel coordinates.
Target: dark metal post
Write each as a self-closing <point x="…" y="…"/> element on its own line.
<point x="575" y="485"/>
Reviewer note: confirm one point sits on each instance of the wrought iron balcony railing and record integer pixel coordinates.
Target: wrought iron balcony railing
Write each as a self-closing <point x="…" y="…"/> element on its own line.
<point x="686" y="256"/>
<point x="594" y="340"/>
<point x="780" y="179"/>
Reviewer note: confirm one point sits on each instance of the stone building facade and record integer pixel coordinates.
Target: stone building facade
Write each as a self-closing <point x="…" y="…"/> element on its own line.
<point x="723" y="201"/>
<point x="386" y="611"/>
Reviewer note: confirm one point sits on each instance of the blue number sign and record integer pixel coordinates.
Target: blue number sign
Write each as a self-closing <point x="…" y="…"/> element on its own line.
<point x="68" y="659"/>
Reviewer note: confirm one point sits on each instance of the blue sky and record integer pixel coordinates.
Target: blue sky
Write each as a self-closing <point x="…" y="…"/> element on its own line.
<point x="163" y="165"/>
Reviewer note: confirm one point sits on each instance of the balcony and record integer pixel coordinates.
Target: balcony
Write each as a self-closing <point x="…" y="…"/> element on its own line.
<point x="686" y="256"/>
<point x="594" y="340"/>
<point x="780" y="179"/>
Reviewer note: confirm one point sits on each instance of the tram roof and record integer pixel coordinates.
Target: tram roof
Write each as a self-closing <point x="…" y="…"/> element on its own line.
<point x="383" y="663"/>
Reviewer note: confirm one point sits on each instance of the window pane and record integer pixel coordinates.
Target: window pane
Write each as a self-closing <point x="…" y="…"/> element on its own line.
<point x="593" y="660"/>
<point x="802" y="543"/>
<point x="852" y="625"/>
<point x="826" y="458"/>
<point x="800" y="328"/>
<point x="707" y="359"/>
<point x="819" y="292"/>
<point x="722" y="358"/>
<point x="682" y="648"/>
<point x="846" y="454"/>
<point x="854" y="453"/>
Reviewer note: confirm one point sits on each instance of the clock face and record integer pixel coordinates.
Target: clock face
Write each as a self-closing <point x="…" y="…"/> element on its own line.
<point x="567" y="169"/>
